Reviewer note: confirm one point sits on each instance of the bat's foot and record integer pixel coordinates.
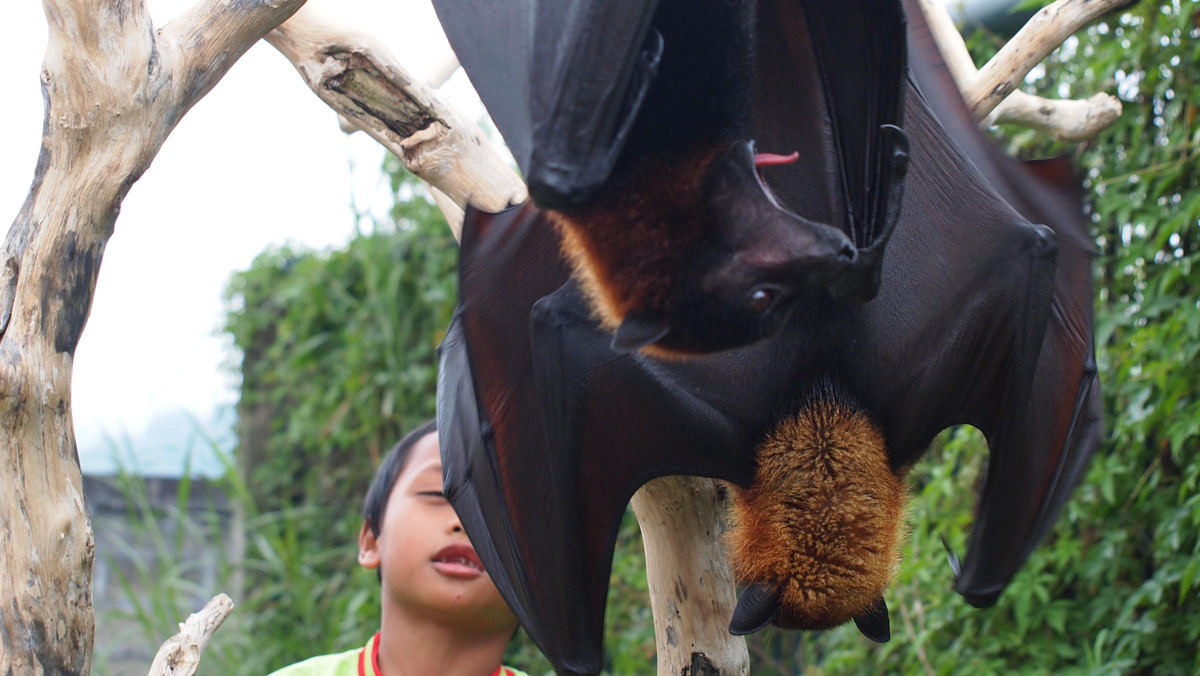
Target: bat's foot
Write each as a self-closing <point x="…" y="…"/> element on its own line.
<point x="874" y="623"/>
<point x="756" y="607"/>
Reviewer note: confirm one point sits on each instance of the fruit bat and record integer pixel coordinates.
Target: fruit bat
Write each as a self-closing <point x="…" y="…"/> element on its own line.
<point x="632" y="123"/>
<point x="981" y="316"/>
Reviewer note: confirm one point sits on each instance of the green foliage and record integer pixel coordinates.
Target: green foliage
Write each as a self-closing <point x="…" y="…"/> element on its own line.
<point x="339" y="360"/>
<point x="339" y="351"/>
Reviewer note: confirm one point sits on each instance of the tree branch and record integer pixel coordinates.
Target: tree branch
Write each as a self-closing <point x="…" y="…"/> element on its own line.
<point x="1041" y="35"/>
<point x="114" y="89"/>
<point x="180" y="654"/>
<point x="1000" y="102"/>
<point x="691" y="585"/>
<point x="209" y="38"/>
<point x="361" y="80"/>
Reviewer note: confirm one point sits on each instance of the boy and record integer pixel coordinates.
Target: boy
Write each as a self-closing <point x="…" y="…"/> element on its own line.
<point x="441" y="614"/>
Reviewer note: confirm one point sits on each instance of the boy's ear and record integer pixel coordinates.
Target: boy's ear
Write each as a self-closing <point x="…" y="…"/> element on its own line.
<point x="368" y="548"/>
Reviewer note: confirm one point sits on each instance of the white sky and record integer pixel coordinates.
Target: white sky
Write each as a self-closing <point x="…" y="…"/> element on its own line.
<point x="258" y="161"/>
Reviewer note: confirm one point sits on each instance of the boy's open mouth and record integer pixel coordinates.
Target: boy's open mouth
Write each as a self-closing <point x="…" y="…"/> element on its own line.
<point x="458" y="560"/>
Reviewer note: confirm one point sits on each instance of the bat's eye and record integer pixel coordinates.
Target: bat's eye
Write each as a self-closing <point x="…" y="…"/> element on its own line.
<point x="761" y="299"/>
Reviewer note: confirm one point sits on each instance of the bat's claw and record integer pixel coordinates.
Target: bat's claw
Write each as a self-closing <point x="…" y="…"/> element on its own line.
<point x="955" y="563"/>
<point x="874" y="623"/>
<point x="756" y="607"/>
<point x="638" y="331"/>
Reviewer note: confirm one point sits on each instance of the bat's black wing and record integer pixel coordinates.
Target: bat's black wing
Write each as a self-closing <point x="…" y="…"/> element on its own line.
<point x="562" y="79"/>
<point x="973" y="325"/>
<point x="1038" y="456"/>
<point x="545" y="432"/>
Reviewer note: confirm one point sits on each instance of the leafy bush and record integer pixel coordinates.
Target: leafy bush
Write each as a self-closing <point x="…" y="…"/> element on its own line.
<point x="339" y="360"/>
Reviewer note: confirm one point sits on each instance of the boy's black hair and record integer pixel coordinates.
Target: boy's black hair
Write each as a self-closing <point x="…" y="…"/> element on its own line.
<point x="389" y="471"/>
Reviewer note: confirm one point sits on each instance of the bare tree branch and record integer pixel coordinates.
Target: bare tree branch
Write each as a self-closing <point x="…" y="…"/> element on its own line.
<point x="362" y="81"/>
<point x="180" y="654"/>
<point x="114" y="89"/>
<point x="1041" y="35"/>
<point x="1068" y="120"/>
<point x="691" y="585"/>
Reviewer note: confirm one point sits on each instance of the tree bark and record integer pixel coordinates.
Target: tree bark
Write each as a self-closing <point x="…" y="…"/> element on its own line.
<point x="1042" y="34"/>
<point x="180" y="654"/>
<point x="114" y="89"/>
<point x="691" y="585"/>
<point x="363" y="82"/>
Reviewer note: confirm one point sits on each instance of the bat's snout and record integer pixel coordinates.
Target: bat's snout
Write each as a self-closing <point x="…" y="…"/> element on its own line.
<point x="773" y="246"/>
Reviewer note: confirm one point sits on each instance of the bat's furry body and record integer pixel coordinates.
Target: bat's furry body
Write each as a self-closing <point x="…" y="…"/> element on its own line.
<point x="823" y="521"/>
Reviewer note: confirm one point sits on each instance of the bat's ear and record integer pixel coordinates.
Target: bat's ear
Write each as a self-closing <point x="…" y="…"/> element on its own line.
<point x="638" y="330"/>
<point x="756" y="607"/>
<point x="874" y="623"/>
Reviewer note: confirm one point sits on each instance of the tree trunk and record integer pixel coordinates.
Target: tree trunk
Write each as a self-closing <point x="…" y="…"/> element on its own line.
<point x="691" y="585"/>
<point x="114" y="89"/>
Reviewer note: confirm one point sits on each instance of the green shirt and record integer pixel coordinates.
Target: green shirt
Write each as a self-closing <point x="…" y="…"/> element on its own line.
<point x="362" y="661"/>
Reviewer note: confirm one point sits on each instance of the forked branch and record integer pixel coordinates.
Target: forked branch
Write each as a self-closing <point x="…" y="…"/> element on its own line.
<point x="991" y="92"/>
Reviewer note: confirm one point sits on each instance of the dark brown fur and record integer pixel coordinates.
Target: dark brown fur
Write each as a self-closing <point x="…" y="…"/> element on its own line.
<point x="631" y="244"/>
<point x="823" y="520"/>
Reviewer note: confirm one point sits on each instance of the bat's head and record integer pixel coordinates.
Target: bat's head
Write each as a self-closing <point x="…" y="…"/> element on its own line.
<point x="690" y="254"/>
<point x="757" y="260"/>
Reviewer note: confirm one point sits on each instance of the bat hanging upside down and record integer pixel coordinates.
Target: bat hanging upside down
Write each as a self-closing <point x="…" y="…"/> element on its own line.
<point x="815" y="374"/>
<point x="816" y="538"/>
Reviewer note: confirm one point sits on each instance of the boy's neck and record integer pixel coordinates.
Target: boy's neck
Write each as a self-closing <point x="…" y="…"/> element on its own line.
<point x="412" y="645"/>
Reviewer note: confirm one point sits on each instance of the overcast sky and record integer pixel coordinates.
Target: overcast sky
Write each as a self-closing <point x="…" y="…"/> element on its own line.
<point x="259" y="161"/>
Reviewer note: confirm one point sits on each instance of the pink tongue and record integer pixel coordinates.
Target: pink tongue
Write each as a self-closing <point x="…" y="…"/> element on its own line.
<point x="772" y="160"/>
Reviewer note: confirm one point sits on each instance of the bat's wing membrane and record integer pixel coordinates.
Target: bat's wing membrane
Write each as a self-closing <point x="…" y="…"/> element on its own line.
<point x="562" y="79"/>
<point x="547" y="433"/>
<point x="1002" y="342"/>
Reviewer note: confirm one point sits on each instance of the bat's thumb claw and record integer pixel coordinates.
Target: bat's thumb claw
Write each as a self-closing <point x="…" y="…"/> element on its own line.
<point x="638" y="331"/>
<point x="955" y="563"/>
<point x="874" y="623"/>
<point x="756" y="607"/>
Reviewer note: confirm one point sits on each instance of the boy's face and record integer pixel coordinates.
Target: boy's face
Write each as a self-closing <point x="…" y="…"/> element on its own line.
<point x="427" y="564"/>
